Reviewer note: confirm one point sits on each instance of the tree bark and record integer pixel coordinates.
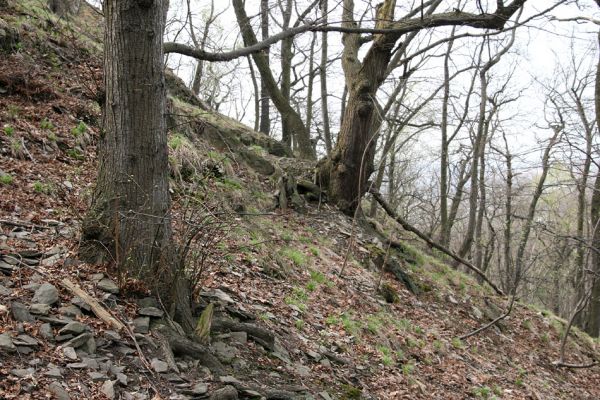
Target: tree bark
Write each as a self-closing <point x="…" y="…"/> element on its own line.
<point x="265" y="117"/>
<point x="593" y="316"/>
<point x="129" y="222"/>
<point x="323" y="79"/>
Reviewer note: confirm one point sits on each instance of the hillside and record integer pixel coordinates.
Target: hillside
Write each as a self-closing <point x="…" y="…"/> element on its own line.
<point x="266" y="254"/>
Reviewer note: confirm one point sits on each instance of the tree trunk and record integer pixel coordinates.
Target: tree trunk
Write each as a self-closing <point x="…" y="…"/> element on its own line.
<point x="287" y="135"/>
<point x="323" y="79"/>
<point x="265" y="117"/>
<point x="593" y="316"/>
<point x="129" y="222"/>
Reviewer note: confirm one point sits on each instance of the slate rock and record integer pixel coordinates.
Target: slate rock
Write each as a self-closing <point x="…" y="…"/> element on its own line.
<point x="25" y="340"/>
<point x="224" y="352"/>
<point x="141" y="325"/>
<point x="80" y="303"/>
<point x="45" y="331"/>
<point x="90" y="346"/>
<point x="97" y="376"/>
<point x="200" y="388"/>
<point x="53" y="372"/>
<point x="108" y="285"/>
<point x="159" y="366"/>
<point x="79" y="341"/>
<point x="112" y="335"/>
<point x="46" y="294"/>
<point x="39" y="309"/>
<point x="4" y="291"/>
<point x="58" y="391"/>
<point x="70" y="353"/>
<point x="226" y="393"/>
<point x="6" y="343"/>
<point x="122" y="378"/>
<point x="147" y="302"/>
<point x="20" y="312"/>
<point x="62" y="338"/>
<point x="70" y="311"/>
<point x="74" y="328"/>
<point x="108" y="389"/>
<point x="151" y="312"/>
<point x="239" y="337"/>
<point x="22" y="372"/>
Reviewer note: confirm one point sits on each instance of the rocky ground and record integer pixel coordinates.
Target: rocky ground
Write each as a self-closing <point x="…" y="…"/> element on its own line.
<point x="287" y="323"/>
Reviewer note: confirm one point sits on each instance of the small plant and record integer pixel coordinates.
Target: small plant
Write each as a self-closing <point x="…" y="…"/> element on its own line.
<point x="350" y="326"/>
<point x="438" y="345"/>
<point x="457" y="343"/>
<point x="9" y="130"/>
<point x="75" y="154"/>
<point x="299" y="324"/>
<point x="497" y="390"/>
<point x="408" y="368"/>
<point x="40" y="187"/>
<point x="297" y="258"/>
<point x="314" y="251"/>
<point x="79" y="130"/>
<point x="176" y="141"/>
<point x="6" y="179"/>
<point x="332" y="320"/>
<point x="311" y="286"/>
<point x="545" y="337"/>
<point x="482" y="392"/>
<point x="527" y="324"/>
<point x="13" y="111"/>
<point x="386" y="356"/>
<point x="418" y="330"/>
<point x="520" y="377"/>
<point x="52" y="137"/>
<point x="46" y="124"/>
<point x="402" y="324"/>
<point x="374" y="324"/>
<point x="317" y="276"/>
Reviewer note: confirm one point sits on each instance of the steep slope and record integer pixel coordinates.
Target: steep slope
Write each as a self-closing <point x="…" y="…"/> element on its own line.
<point x="267" y="255"/>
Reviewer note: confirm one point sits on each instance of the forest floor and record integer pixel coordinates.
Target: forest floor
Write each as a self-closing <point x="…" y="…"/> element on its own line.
<point x="299" y="329"/>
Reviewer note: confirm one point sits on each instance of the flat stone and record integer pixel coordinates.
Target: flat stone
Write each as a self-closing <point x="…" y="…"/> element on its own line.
<point x="58" y="391"/>
<point x="226" y="393"/>
<point x="62" y="338"/>
<point x="74" y="327"/>
<point x="70" y="353"/>
<point x="4" y="291"/>
<point x="122" y="378"/>
<point x="39" y="309"/>
<point x="239" y="337"/>
<point x="141" y="325"/>
<point x="230" y="379"/>
<point x="97" y="277"/>
<point x="45" y="331"/>
<point x="108" y="285"/>
<point x="147" y="302"/>
<point x="112" y="335"/>
<point x="97" y="376"/>
<point x="6" y="343"/>
<point x="90" y="346"/>
<point x="70" y="311"/>
<point x="151" y="312"/>
<point x="218" y="294"/>
<point x="79" y="341"/>
<point x="22" y="372"/>
<point x="25" y="340"/>
<point x="20" y="312"/>
<point x="79" y="365"/>
<point x="200" y="388"/>
<point x="224" y="352"/>
<point x="46" y="294"/>
<point x="159" y="366"/>
<point x="54" y="372"/>
<point x="54" y="321"/>
<point x="108" y="389"/>
<point x="79" y="302"/>
<point x="301" y="370"/>
<point x="24" y="350"/>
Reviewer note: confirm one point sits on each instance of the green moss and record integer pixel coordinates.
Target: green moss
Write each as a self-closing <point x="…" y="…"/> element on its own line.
<point x="295" y="256"/>
<point x="9" y="130"/>
<point x="6" y="179"/>
<point x="457" y="343"/>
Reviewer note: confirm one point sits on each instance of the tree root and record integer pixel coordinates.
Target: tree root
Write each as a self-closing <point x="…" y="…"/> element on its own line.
<point x="258" y="334"/>
<point x="181" y="345"/>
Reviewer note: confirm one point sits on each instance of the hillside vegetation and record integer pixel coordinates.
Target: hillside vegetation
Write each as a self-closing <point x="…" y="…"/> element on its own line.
<point x="267" y="256"/>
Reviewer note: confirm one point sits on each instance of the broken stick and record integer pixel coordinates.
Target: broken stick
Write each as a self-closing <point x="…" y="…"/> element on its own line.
<point x="93" y="303"/>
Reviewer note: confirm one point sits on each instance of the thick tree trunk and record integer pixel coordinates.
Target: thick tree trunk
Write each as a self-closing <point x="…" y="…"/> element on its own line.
<point x="129" y="222"/>
<point x="265" y="116"/>
<point x="287" y="135"/>
<point x="593" y="315"/>
<point x="323" y="79"/>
